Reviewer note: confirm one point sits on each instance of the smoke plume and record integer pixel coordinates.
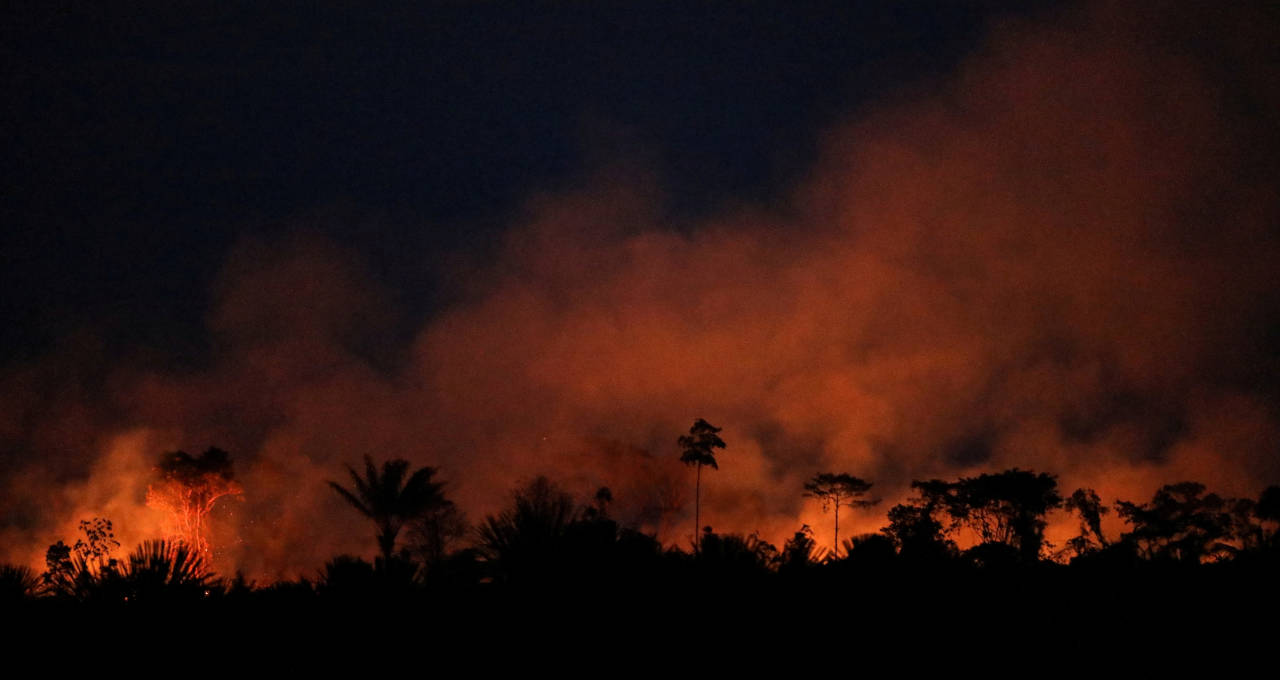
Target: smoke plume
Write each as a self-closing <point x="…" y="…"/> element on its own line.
<point x="1062" y="257"/>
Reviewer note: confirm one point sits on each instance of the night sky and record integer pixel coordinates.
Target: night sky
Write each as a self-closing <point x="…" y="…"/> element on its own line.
<point x="902" y="239"/>
<point x="142" y="144"/>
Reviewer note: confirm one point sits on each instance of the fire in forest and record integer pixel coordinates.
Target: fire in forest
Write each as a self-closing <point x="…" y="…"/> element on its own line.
<point x="1059" y="256"/>
<point x="187" y="487"/>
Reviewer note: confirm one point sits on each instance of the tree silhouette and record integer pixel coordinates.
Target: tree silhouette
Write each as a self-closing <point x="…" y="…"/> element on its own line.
<point x="157" y="570"/>
<point x="1267" y="510"/>
<point x="836" y="490"/>
<point x="1244" y="527"/>
<point x="348" y="577"/>
<point x="734" y="556"/>
<point x="599" y="509"/>
<point x="187" y="486"/>
<point x="434" y="534"/>
<point x="869" y="550"/>
<point x="164" y="571"/>
<point x="1087" y="504"/>
<point x="1007" y="507"/>
<point x="1268" y="507"/>
<point x="697" y="450"/>
<point x="917" y="533"/>
<point x="800" y="552"/>
<point x="17" y="583"/>
<point x="389" y="500"/>
<point x="1181" y="523"/>
<point x="80" y="569"/>
<point x="98" y="544"/>
<point x="525" y="540"/>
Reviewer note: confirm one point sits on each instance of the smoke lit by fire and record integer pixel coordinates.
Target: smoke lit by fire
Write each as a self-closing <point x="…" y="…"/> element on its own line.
<point x="1063" y="257"/>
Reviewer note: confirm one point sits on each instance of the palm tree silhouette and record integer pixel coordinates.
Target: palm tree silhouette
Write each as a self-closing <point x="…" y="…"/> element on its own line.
<point x="527" y="541"/>
<point x="164" y="570"/>
<point x="389" y="500"/>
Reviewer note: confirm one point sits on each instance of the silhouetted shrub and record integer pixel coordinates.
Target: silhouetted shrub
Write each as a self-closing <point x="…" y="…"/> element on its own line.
<point x="17" y="583"/>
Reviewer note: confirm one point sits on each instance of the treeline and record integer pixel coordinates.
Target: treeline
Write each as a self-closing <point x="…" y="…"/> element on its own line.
<point x="548" y="541"/>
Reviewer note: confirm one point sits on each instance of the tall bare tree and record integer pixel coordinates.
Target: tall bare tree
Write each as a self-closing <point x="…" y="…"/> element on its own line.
<point x="835" y="490"/>
<point x="696" y="449"/>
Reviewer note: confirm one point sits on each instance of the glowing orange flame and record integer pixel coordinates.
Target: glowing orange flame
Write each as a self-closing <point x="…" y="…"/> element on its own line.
<point x="187" y="488"/>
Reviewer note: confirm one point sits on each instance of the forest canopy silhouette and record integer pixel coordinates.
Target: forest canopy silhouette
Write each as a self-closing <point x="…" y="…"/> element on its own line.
<point x="959" y="531"/>
<point x="1025" y="303"/>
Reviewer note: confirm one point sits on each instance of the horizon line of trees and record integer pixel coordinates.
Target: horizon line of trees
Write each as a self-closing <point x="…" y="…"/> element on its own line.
<point x="545" y="535"/>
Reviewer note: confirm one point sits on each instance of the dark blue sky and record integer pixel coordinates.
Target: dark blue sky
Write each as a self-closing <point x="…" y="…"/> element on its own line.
<point x="141" y="141"/>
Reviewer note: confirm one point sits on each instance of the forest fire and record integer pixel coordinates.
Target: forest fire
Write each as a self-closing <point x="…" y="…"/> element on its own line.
<point x="187" y="487"/>
<point x="1030" y="299"/>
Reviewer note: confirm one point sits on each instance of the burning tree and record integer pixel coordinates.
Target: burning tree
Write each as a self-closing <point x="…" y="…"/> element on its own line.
<point x="187" y="486"/>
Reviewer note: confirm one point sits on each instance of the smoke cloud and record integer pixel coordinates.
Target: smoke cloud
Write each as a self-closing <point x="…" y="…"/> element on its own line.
<point x="1062" y="257"/>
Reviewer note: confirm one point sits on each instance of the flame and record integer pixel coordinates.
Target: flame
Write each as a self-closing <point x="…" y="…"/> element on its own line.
<point x="188" y="499"/>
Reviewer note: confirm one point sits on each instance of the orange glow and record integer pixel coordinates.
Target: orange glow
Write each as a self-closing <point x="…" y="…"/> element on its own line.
<point x="187" y="489"/>
<point x="1036" y="263"/>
